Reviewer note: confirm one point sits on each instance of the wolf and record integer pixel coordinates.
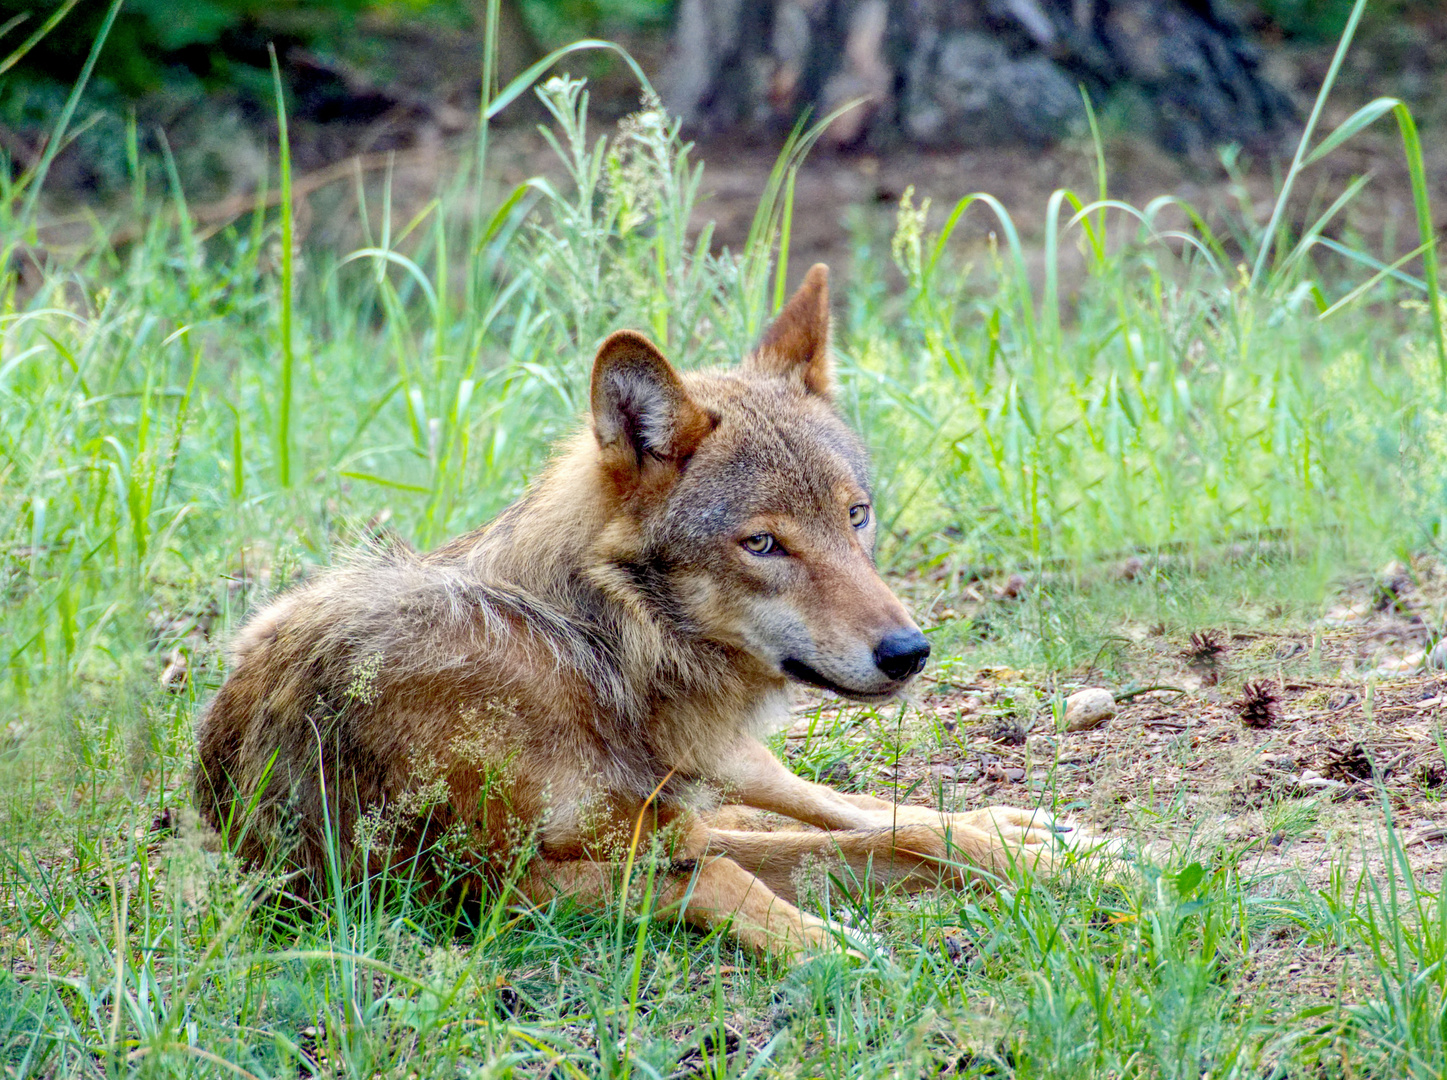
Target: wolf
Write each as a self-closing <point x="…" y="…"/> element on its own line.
<point x="592" y="674"/>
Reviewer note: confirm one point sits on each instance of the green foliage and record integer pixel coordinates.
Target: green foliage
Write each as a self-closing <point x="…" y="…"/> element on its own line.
<point x="561" y="20"/>
<point x="1313" y="20"/>
<point x="153" y="39"/>
<point x="1323" y="20"/>
<point x="222" y="43"/>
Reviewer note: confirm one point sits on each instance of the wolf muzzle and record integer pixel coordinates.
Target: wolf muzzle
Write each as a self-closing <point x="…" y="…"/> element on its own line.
<point x="901" y="654"/>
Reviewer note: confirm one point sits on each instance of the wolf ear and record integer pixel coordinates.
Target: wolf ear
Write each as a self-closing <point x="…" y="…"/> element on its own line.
<point x="796" y="346"/>
<point x="640" y="406"/>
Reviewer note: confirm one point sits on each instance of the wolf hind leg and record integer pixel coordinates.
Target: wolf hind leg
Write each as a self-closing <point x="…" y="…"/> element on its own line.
<point x="1011" y="823"/>
<point x="713" y="891"/>
<point x="738" y="818"/>
<point x="910" y="856"/>
<point x="995" y="840"/>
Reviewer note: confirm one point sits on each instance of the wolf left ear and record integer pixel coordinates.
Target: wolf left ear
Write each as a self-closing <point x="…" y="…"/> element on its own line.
<point x="796" y="346"/>
<point x="640" y="405"/>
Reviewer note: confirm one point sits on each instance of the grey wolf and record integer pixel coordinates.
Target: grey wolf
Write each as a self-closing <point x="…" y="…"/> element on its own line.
<point x="595" y="669"/>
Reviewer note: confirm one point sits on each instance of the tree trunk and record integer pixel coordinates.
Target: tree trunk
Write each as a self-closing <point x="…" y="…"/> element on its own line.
<point x="953" y="73"/>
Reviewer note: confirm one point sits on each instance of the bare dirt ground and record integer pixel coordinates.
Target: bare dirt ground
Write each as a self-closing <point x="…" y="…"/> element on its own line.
<point x="1285" y="749"/>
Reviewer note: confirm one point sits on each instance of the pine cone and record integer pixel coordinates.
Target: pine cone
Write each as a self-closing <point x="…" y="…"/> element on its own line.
<point x="1257" y="707"/>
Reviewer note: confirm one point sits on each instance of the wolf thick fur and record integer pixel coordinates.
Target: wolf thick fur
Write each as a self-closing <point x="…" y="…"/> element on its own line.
<point x="604" y="657"/>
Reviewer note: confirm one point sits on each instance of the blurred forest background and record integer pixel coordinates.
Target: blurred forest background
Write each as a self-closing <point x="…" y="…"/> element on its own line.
<point x="1198" y="98"/>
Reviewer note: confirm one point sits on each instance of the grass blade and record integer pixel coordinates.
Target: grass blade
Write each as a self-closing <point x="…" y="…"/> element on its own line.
<point x="35" y="181"/>
<point x="288" y="355"/>
<point x="35" y="38"/>
<point x="1298" y="161"/>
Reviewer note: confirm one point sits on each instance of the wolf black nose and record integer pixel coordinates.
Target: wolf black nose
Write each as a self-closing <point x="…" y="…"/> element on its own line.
<point x="902" y="653"/>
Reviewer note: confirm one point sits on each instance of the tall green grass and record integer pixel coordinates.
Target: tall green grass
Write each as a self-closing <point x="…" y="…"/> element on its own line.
<point x="170" y="404"/>
<point x="1188" y="401"/>
<point x="186" y="423"/>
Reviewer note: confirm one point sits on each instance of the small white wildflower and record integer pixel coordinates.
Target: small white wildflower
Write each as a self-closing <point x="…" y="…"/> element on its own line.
<point x="363" y="687"/>
<point x="909" y="235"/>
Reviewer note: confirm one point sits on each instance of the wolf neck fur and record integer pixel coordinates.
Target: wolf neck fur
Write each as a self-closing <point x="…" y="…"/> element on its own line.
<point x="572" y="545"/>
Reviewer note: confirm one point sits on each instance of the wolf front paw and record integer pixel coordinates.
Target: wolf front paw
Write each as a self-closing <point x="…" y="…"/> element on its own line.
<point x="1042" y="843"/>
<point x="1004" y="838"/>
<point x="1026" y="827"/>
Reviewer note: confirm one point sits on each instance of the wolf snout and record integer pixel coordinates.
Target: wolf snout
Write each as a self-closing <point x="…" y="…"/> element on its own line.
<point x="902" y="653"/>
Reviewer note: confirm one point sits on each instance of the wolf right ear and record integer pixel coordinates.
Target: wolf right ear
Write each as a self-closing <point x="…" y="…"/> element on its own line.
<point x="796" y="345"/>
<point x="640" y="407"/>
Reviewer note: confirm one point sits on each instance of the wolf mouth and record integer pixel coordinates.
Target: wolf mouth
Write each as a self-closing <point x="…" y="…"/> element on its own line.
<point x="802" y="672"/>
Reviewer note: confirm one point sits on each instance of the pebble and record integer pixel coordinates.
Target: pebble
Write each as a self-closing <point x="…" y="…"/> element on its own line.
<point x="1395" y="666"/>
<point x="177" y="670"/>
<point x="1437" y="658"/>
<point x="1088" y="709"/>
<point x="1013" y="588"/>
<point x="1344" y="616"/>
<point x="1310" y="781"/>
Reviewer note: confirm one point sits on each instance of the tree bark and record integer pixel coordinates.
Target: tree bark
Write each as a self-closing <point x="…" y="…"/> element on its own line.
<point x="953" y="73"/>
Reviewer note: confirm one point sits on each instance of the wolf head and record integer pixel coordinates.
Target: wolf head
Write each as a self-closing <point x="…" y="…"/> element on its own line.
<point x="740" y="506"/>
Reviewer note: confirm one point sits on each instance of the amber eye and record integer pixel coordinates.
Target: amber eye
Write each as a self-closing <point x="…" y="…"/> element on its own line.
<point x="760" y="544"/>
<point x="859" y="515"/>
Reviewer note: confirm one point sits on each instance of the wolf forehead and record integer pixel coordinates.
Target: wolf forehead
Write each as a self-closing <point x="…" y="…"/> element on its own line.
<point x="776" y="449"/>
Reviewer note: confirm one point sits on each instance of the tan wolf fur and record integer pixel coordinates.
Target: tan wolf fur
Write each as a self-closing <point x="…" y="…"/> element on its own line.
<point x="594" y="670"/>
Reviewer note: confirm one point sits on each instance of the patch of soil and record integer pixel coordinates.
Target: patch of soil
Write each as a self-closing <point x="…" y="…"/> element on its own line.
<point x="1296" y="792"/>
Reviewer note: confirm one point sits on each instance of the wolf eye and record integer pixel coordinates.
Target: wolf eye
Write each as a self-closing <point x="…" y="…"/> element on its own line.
<point x="859" y="515"/>
<point x="760" y="544"/>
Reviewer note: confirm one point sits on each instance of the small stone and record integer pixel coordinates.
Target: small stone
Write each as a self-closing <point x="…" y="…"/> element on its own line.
<point x="1130" y="569"/>
<point x="1014" y="586"/>
<point x="177" y="670"/>
<point x="1437" y="658"/>
<point x="1395" y="666"/>
<point x="1088" y="709"/>
<point x="1320" y="783"/>
<point x="1345" y="616"/>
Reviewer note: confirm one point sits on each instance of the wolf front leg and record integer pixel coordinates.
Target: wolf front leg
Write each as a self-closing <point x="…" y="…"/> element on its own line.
<point x="708" y="892"/>
<point x="910" y="857"/>
<point x="998" y="839"/>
